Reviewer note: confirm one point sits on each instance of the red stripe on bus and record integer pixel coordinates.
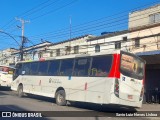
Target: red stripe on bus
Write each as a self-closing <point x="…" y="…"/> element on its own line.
<point x="40" y="82"/>
<point x="115" y="72"/>
<point x="85" y="86"/>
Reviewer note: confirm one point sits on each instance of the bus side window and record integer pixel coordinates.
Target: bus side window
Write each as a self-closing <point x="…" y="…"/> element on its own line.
<point x="53" y="67"/>
<point x="26" y="69"/>
<point x="18" y="69"/>
<point x="81" y="66"/>
<point x="43" y="67"/>
<point x="33" y="69"/>
<point x="101" y="66"/>
<point x="67" y="67"/>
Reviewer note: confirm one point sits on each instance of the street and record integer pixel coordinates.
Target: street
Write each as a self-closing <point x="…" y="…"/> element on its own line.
<point x="10" y="102"/>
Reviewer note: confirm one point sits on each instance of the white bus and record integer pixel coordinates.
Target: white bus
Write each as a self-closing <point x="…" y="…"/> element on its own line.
<point x="104" y="78"/>
<point x="6" y="75"/>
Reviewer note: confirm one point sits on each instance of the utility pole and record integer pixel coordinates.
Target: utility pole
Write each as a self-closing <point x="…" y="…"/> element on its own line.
<point x="23" y="38"/>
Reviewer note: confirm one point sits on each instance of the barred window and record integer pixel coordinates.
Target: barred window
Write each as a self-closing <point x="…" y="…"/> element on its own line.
<point x="137" y="42"/>
<point x="58" y="52"/>
<point x="76" y="49"/>
<point x="118" y="45"/>
<point x="97" y="48"/>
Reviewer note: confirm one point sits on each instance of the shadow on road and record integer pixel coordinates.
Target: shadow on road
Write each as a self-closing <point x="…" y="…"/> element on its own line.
<point x="88" y="106"/>
<point x="40" y="98"/>
<point x="103" y="108"/>
<point x="5" y="88"/>
<point x="2" y="93"/>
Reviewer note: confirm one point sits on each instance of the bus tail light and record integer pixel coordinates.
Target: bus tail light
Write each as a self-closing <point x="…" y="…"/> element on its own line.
<point x="141" y="95"/>
<point x="116" y="87"/>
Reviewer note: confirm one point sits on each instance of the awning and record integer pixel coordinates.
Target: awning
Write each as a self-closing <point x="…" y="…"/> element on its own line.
<point x="155" y="52"/>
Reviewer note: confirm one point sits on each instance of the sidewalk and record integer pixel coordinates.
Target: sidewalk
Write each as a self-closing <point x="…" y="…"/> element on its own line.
<point x="149" y="107"/>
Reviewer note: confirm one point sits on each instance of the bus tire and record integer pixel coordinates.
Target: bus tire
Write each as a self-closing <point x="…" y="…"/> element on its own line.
<point x="61" y="98"/>
<point x="20" y="91"/>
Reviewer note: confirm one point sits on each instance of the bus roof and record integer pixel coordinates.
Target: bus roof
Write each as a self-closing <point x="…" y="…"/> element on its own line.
<point x="74" y="56"/>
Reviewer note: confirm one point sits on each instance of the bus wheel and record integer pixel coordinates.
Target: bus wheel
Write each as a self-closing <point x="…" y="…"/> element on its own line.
<point x="60" y="98"/>
<point x="20" y="91"/>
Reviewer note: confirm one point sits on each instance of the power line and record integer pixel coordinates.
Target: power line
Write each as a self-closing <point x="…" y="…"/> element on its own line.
<point x="36" y="8"/>
<point x="98" y="27"/>
<point x="49" y="12"/>
<point x="39" y="8"/>
<point x="95" y="21"/>
<point x="110" y="25"/>
<point x="81" y="30"/>
<point x="124" y="12"/>
<point x="22" y="14"/>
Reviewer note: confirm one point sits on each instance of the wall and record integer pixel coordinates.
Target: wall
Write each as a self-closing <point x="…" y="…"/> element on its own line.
<point x="108" y="43"/>
<point x="141" y="17"/>
<point x="146" y="44"/>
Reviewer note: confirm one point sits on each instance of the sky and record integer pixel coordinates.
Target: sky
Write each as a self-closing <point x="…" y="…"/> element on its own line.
<point x="59" y="20"/>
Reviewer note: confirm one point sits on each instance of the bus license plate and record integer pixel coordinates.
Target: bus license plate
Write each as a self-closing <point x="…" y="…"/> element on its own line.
<point x="130" y="96"/>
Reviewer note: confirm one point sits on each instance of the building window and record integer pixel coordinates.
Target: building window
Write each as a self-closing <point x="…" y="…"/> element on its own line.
<point x="118" y="45"/>
<point x="125" y="38"/>
<point x="6" y="61"/>
<point x="97" y="48"/>
<point x="34" y="53"/>
<point x="154" y="18"/>
<point x="39" y="54"/>
<point x="68" y="50"/>
<point x="137" y="42"/>
<point x="76" y="49"/>
<point x="58" y="52"/>
<point x="51" y="54"/>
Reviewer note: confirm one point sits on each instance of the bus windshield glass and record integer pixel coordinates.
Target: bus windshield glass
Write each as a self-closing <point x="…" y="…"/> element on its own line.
<point x="132" y="66"/>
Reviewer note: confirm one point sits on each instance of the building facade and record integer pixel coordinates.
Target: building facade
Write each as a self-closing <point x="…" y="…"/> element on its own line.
<point x="6" y="56"/>
<point x="73" y="46"/>
<point x="109" y="42"/>
<point x="144" y="27"/>
<point x="45" y="50"/>
<point x="144" y="17"/>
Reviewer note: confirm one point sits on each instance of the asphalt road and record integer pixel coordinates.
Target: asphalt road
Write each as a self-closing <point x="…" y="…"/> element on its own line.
<point x="46" y="107"/>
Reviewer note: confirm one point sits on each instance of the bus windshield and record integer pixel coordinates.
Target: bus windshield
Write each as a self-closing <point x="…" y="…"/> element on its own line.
<point x="132" y="66"/>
